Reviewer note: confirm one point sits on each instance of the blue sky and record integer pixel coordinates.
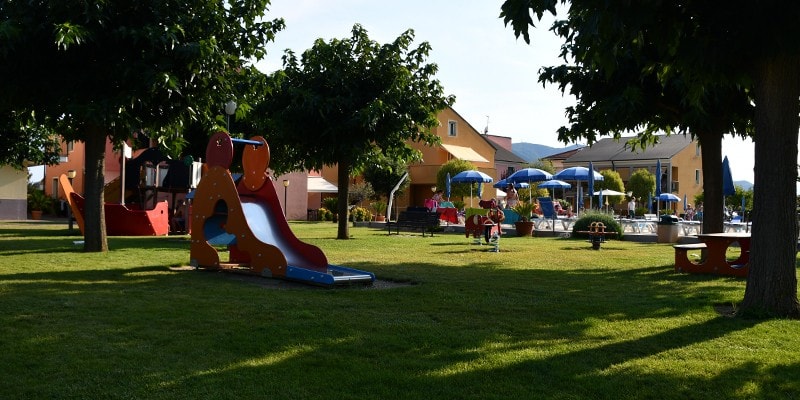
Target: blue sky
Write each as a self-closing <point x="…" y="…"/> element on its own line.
<point x="490" y="72"/>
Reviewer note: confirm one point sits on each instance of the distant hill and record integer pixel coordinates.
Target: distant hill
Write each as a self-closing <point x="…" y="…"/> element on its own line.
<point x="744" y="184"/>
<point x="531" y="152"/>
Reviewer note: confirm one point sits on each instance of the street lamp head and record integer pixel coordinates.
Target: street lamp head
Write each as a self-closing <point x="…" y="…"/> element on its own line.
<point x="71" y="174"/>
<point x="285" y="183"/>
<point x="230" y="107"/>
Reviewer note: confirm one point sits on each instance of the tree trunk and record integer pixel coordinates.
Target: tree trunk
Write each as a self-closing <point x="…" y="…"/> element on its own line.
<point x="772" y="282"/>
<point x="344" y="185"/>
<point x="94" y="182"/>
<point x="713" y="199"/>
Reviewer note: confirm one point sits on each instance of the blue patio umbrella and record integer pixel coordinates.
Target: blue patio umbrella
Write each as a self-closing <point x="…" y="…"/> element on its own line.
<point x="554" y="184"/>
<point x="591" y="184"/>
<point x="480" y="189"/>
<point x="727" y="180"/>
<point x="471" y="176"/>
<point x="530" y="175"/>
<point x="658" y="178"/>
<point x="577" y="174"/>
<point x="668" y="198"/>
<point x="658" y="185"/>
<point x="502" y="184"/>
<point x="447" y="187"/>
<point x="600" y="199"/>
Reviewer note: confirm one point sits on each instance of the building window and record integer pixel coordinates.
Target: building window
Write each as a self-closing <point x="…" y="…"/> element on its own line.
<point x="70" y="146"/>
<point x="697" y="149"/>
<point x="54" y="189"/>
<point x="452" y="128"/>
<point x="697" y="176"/>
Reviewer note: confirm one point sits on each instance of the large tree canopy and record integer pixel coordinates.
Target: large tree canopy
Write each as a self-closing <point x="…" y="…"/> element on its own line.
<point x="696" y="66"/>
<point x="621" y="84"/>
<point x="105" y="69"/>
<point x="24" y="142"/>
<point x="346" y="100"/>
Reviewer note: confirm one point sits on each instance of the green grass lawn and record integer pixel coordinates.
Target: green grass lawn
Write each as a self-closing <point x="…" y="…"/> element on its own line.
<point x="544" y="318"/>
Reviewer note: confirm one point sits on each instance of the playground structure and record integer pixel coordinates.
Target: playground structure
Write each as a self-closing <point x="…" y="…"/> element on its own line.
<point x="136" y="210"/>
<point x="246" y="216"/>
<point x="121" y="220"/>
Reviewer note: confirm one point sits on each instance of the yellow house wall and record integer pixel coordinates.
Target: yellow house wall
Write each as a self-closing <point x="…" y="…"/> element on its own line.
<point x="682" y="169"/>
<point x="684" y="165"/>
<point x="423" y="174"/>
<point x="13" y="193"/>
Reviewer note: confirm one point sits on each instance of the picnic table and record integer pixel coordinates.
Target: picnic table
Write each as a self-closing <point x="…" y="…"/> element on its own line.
<point x="713" y="257"/>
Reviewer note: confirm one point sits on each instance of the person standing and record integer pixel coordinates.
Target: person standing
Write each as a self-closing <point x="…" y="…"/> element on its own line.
<point x="512" y="198"/>
<point x="631" y="208"/>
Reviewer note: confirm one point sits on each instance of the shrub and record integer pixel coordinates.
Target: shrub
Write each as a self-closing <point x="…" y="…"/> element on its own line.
<point x="524" y="209"/>
<point x="379" y="207"/>
<point x="358" y="214"/>
<point x="359" y="192"/>
<point x="330" y="203"/>
<point x="586" y="219"/>
<point x="323" y="214"/>
<point x="38" y="200"/>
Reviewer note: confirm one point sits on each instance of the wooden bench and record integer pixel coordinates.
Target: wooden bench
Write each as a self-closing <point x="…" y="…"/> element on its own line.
<point x="415" y="220"/>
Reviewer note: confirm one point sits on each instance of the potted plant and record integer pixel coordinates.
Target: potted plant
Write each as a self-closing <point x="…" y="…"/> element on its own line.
<point x="38" y="203"/>
<point x="524" y="225"/>
<point x="380" y="210"/>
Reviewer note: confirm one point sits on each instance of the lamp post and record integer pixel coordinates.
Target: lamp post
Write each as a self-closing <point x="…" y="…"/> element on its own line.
<point x="285" y="190"/>
<point x="230" y="109"/>
<point x="70" y="175"/>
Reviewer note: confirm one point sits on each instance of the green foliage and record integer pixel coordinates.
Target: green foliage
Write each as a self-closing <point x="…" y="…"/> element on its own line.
<point x="384" y="174"/>
<point x="105" y="70"/>
<point x="25" y="142"/>
<point x="734" y="200"/>
<point x="642" y="183"/>
<point x="330" y="203"/>
<point x="347" y="101"/>
<point x="586" y="219"/>
<point x="379" y="207"/>
<point x="359" y="192"/>
<point x="358" y="214"/>
<point x="524" y="209"/>
<point x="39" y="201"/>
<point x="458" y="204"/>
<point x="528" y="193"/>
<point x="612" y="181"/>
<point x="453" y="167"/>
<point x="544" y="165"/>
<point x="324" y="214"/>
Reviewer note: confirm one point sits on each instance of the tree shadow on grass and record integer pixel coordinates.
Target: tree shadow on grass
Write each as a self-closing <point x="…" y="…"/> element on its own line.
<point x="465" y="331"/>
